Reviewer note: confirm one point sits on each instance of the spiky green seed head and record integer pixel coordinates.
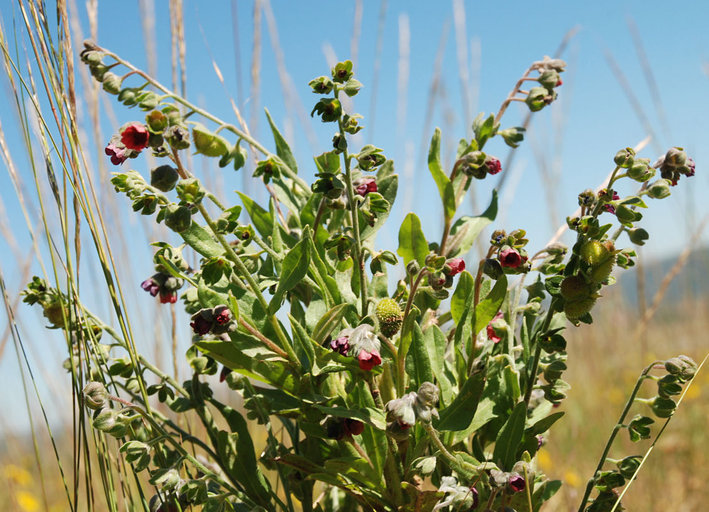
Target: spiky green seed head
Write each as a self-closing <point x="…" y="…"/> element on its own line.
<point x="594" y="253"/>
<point x="575" y="287"/>
<point x="602" y="271"/>
<point x="577" y="308"/>
<point x="389" y="316"/>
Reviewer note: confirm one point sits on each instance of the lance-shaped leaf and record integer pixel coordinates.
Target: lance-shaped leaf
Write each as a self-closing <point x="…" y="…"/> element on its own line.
<point x="418" y="359"/>
<point x="293" y="269"/>
<point x="509" y="438"/>
<point x="460" y="413"/>
<point x="261" y="218"/>
<point x="412" y="242"/>
<point x="445" y="187"/>
<point x="282" y="148"/>
<point x="466" y="229"/>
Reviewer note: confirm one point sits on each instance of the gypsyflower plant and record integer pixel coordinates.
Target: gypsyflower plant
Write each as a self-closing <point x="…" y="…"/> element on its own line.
<point x="432" y="394"/>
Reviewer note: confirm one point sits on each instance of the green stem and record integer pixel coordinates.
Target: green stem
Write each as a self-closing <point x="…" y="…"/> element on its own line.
<point x="455" y="463"/>
<point x="532" y="377"/>
<point x="616" y="429"/>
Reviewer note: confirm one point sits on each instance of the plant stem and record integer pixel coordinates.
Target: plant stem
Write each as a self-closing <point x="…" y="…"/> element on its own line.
<point x="532" y="377"/>
<point x="616" y="429"/>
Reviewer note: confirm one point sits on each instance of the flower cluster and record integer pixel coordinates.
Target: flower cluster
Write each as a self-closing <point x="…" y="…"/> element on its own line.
<point x="163" y="285"/>
<point x="216" y="321"/>
<point x="360" y="343"/>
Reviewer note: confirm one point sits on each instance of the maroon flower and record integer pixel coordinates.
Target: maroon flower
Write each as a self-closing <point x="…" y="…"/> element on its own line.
<point x="135" y="136"/>
<point x="559" y="82"/>
<point x="691" y="165"/>
<point x="365" y="186"/>
<point x="353" y="427"/>
<point x="491" y="334"/>
<point x="517" y="483"/>
<point x="151" y="286"/>
<point x="493" y="165"/>
<point x="223" y="374"/>
<point x="609" y="196"/>
<point x="510" y="257"/>
<point x="457" y="265"/>
<point x="368" y="360"/>
<point x="200" y="323"/>
<point x="341" y="345"/>
<point x="168" y="297"/>
<point x="222" y="315"/>
<point x="117" y="153"/>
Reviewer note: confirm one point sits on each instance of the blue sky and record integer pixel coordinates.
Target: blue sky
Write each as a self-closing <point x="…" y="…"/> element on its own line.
<point x="576" y="137"/>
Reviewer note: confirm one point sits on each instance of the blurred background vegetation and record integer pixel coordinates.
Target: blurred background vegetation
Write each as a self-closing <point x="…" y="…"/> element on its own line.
<point x="422" y="66"/>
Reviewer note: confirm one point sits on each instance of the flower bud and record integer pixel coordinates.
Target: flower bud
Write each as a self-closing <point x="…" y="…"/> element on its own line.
<point x="624" y="158"/>
<point x="111" y="83"/>
<point x="575" y="288"/>
<point x="177" y="136"/>
<point x="629" y="465"/>
<point x="471" y="164"/>
<point x="127" y="96"/>
<point x="538" y="98"/>
<point x="156" y="121"/>
<point x="105" y="420"/>
<point x="682" y="367"/>
<point x="148" y="100"/>
<point x="178" y="217"/>
<point x="166" y="480"/>
<point x="641" y="171"/>
<point x="659" y="189"/>
<point x="663" y="407"/>
<point x="321" y="85"/>
<point x="594" y="253"/>
<point x="401" y="410"/>
<point x="413" y="268"/>
<point x="98" y="71"/>
<point x="492" y="165"/>
<point x="549" y="79"/>
<point x="207" y="142"/>
<point x="95" y="395"/>
<point x="638" y="236"/>
<point x="190" y="191"/>
<point x="674" y="158"/>
<point x="587" y="198"/>
<point x="389" y="316"/>
<point x="164" y="178"/>
<point x="427" y="394"/>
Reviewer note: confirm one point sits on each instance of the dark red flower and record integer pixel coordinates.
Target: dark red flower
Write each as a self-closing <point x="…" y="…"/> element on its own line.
<point x="491" y="334"/>
<point x="222" y="315"/>
<point x="168" y="297"/>
<point x="457" y="265"/>
<point x="341" y="345"/>
<point x="223" y="374"/>
<point x="493" y="165"/>
<point x="365" y="186"/>
<point x="117" y="153"/>
<point x="517" y="483"/>
<point x="559" y="82"/>
<point x="368" y="360"/>
<point x="509" y="257"/>
<point x="200" y="324"/>
<point x="135" y="136"/>
<point x="353" y="427"/>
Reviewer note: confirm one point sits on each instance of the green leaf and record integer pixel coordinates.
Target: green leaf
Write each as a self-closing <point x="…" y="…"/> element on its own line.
<point x="412" y="242"/>
<point x="236" y="451"/>
<point x="253" y="360"/>
<point x="387" y="187"/>
<point x="445" y="187"/>
<point x="435" y="343"/>
<point x="459" y="414"/>
<point x="202" y="241"/>
<point x="466" y="229"/>
<point x="262" y="219"/>
<point x="509" y="438"/>
<point x="328" y="163"/>
<point x="303" y="343"/>
<point x="490" y="305"/>
<point x="293" y="269"/>
<point x="418" y="360"/>
<point x="465" y="287"/>
<point x="370" y="415"/>
<point x="328" y="323"/>
<point x="484" y="128"/>
<point x="282" y="148"/>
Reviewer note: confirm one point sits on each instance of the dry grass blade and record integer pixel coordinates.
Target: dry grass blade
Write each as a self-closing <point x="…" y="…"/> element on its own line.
<point x="461" y="36"/>
<point x="356" y="32"/>
<point x="377" y="65"/>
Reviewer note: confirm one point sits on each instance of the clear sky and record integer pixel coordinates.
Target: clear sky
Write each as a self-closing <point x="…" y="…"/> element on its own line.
<point x="486" y="47"/>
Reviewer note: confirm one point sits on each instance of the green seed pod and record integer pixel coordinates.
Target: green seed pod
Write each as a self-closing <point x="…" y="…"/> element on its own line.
<point x="177" y="136"/>
<point x="208" y="143"/>
<point x="389" y="316"/>
<point x="663" y="407"/>
<point x="660" y="189"/>
<point x="594" y="253"/>
<point x="111" y="83"/>
<point x="127" y="96"/>
<point x="164" y="178"/>
<point x="601" y="272"/>
<point x="575" y="288"/>
<point x="178" y="217"/>
<point x="577" y="308"/>
<point x="624" y="157"/>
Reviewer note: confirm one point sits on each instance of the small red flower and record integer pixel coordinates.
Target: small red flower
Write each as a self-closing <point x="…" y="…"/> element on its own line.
<point x="493" y="165"/>
<point x="491" y="334"/>
<point x="559" y="82"/>
<point x="509" y="257"/>
<point x="151" y="286"/>
<point x="517" y="483"/>
<point x="353" y="427"/>
<point x="223" y="374"/>
<point x="168" y="297"/>
<point x="365" y="186"/>
<point x="368" y="360"/>
<point x="117" y="153"/>
<point x="223" y="316"/>
<point x="457" y="265"/>
<point x="135" y="136"/>
<point x="341" y="345"/>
